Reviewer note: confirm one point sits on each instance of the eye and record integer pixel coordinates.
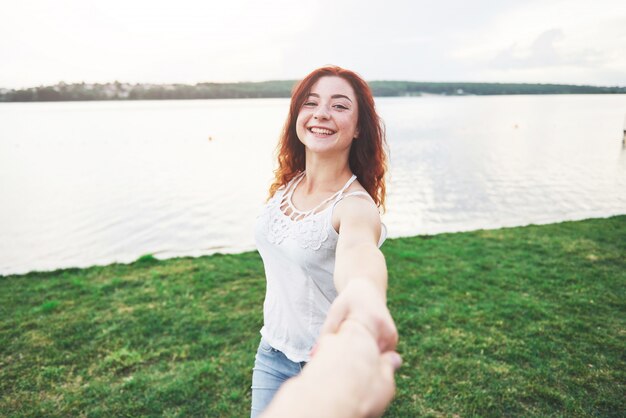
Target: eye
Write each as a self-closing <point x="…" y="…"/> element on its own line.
<point x="340" y="107"/>
<point x="309" y="104"/>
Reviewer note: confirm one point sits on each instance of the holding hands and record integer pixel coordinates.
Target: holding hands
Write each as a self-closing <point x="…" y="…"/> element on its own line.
<point x="347" y="377"/>
<point x="364" y="303"/>
<point x="351" y="373"/>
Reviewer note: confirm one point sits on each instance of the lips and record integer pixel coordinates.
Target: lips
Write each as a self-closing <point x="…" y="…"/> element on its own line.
<point x="321" y="131"/>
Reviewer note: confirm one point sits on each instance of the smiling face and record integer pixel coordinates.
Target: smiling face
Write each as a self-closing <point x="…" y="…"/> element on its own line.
<point x="327" y="121"/>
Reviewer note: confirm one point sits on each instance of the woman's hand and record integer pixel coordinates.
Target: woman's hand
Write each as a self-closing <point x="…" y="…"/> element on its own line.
<point x="362" y="301"/>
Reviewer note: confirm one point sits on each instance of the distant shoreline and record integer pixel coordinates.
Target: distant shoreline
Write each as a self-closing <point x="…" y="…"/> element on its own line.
<point x="150" y="257"/>
<point x="63" y="92"/>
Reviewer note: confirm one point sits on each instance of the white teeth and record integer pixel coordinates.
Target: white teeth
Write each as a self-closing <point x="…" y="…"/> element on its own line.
<point x="322" y="131"/>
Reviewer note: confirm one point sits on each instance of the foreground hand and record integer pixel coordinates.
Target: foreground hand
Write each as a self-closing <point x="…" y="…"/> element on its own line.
<point x="363" y="302"/>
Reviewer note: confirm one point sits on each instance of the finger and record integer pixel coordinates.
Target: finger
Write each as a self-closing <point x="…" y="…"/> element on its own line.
<point x="393" y="359"/>
<point x="336" y="314"/>
<point x="388" y="336"/>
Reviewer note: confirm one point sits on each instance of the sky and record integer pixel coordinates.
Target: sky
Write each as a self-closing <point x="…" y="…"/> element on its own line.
<point x="43" y="42"/>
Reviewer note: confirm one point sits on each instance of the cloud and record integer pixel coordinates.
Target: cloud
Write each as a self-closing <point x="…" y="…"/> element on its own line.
<point x="449" y="40"/>
<point x="544" y="52"/>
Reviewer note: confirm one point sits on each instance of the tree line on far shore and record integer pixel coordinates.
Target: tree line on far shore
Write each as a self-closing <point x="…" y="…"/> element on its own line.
<point x="275" y="89"/>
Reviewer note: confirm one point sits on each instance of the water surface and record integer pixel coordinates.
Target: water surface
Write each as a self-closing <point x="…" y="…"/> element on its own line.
<point x="98" y="182"/>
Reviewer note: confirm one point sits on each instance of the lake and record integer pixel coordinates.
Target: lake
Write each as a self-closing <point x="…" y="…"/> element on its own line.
<point x="86" y="183"/>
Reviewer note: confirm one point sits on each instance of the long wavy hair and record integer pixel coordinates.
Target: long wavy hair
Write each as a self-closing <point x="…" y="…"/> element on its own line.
<point x="368" y="152"/>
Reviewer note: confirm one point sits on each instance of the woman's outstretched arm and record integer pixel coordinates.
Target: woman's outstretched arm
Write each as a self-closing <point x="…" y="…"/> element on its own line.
<point x="361" y="274"/>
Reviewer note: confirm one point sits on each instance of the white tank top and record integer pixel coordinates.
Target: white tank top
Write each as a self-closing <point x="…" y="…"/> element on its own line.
<point x="298" y="252"/>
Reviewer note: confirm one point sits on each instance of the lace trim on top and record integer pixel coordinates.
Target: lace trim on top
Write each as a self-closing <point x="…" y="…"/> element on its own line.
<point x="308" y="230"/>
<point x="289" y="209"/>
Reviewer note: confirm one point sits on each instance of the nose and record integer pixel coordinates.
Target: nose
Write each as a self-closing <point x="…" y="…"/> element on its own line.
<point x="321" y="113"/>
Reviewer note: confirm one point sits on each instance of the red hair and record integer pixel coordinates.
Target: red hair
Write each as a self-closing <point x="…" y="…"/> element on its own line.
<point x="368" y="152"/>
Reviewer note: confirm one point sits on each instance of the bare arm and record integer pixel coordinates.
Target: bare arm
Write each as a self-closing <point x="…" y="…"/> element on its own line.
<point x="357" y="254"/>
<point x="361" y="274"/>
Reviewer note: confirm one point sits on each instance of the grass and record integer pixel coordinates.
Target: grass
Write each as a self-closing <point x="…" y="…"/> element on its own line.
<point x="511" y="322"/>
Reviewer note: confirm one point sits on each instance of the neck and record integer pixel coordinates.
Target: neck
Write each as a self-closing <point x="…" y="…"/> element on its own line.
<point x="325" y="174"/>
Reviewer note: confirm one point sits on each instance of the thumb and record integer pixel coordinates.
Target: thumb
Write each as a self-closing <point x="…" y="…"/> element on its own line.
<point x="337" y="313"/>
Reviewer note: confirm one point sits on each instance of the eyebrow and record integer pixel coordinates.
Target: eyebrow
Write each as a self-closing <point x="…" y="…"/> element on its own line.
<point x="334" y="96"/>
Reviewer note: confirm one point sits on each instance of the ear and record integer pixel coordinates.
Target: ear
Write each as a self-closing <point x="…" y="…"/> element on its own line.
<point x="356" y="134"/>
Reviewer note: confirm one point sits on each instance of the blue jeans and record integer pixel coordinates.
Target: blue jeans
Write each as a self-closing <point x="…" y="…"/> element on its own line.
<point x="271" y="369"/>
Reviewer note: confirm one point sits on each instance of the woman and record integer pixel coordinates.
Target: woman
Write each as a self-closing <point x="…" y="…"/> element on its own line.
<point x="320" y="232"/>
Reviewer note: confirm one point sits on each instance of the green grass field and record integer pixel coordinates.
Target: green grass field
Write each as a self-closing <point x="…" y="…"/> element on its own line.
<point x="512" y="322"/>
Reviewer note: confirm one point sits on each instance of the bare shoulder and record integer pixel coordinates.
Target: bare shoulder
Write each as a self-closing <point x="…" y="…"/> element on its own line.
<point x="357" y="208"/>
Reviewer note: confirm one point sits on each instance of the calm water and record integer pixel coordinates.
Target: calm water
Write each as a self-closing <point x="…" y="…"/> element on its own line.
<point x="93" y="183"/>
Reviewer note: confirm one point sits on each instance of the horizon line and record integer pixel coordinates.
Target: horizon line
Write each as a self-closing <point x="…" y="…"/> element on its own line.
<point x="296" y="80"/>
